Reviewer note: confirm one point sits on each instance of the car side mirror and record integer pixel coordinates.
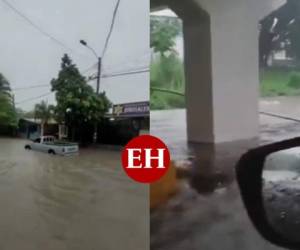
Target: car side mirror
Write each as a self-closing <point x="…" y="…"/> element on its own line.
<point x="269" y="181"/>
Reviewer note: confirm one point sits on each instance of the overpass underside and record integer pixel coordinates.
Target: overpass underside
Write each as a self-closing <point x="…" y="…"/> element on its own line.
<point x="221" y="65"/>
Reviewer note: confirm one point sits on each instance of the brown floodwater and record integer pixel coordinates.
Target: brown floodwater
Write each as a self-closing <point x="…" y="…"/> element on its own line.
<point x="207" y="212"/>
<point x="82" y="202"/>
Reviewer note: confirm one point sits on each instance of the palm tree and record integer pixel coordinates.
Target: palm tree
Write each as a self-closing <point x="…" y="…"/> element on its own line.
<point x="4" y="84"/>
<point x="44" y="112"/>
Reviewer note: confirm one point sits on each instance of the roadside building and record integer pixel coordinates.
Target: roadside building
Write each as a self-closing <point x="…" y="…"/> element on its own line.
<point x="30" y="128"/>
<point x="124" y="122"/>
<point x="137" y="113"/>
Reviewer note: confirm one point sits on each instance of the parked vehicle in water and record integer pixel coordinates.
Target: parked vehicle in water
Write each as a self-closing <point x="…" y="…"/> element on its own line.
<point x="48" y="144"/>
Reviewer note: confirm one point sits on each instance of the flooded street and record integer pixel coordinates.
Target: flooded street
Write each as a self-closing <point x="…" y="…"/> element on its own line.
<point x="207" y="212"/>
<point x="170" y="125"/>
<point x="83" y="202"/>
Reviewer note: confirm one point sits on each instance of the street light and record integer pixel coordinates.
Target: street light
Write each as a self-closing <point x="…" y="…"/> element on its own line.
<point x="84" y="43"/>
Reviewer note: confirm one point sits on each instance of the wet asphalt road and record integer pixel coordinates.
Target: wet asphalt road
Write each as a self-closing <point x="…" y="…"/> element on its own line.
<point x="208" y="213"/>
<point x="83" y="202"/>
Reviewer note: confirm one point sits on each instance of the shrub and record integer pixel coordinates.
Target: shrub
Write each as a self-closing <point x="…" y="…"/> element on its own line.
<point x="294" y="81"/>
<point x="167" y="72"/>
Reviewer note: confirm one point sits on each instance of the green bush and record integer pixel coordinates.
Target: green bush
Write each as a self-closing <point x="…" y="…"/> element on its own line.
<point x="175" y="101"/>
<point x="276" y="82"/>
<point x="167" y="72"/>
<point x="158" y="102"/>
<point x="294" y="81"/>
<point x="162" y="100"/>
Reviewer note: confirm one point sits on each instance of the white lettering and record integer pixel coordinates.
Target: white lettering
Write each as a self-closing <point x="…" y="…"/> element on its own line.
<point x="149" y="157"/>
<point x="132" y="157"/>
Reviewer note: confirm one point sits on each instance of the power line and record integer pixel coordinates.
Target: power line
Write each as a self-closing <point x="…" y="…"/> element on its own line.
<point x="111" y="28"/>
<point x="31" y="87"/>
<point x="47" y="85"/>
<point x="18" y="12"/>
<point x="34" y="98"/>
<point x="89" y="68"/>
<point x="128" y="70"/>
<point x="126" y="73"/>
<point x="130" y="61"/>
<point x="168" y="91"/>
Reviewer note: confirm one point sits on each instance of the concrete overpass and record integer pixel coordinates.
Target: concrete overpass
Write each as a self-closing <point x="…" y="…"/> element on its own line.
<point x="221" y="65"/>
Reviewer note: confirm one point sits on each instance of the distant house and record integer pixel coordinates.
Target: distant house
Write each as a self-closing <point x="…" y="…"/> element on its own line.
<point x="280" y="58"/>
<point x="31" y="128"/>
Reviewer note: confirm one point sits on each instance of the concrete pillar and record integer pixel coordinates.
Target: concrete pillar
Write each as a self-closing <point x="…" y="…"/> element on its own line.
<point x="235" y="72"/>
<point x="221" y="63"/>
<point x="222" y="72"/>
<point x="198" y="72"/>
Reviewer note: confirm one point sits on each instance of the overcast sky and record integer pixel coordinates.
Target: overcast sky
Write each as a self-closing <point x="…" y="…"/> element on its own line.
<point x="29" y="58"/>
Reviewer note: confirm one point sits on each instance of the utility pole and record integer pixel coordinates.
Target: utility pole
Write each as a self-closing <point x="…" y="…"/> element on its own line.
<point x="84" y="43"/>
<point x="99" y="75"/>
<point x="97" y="92"/>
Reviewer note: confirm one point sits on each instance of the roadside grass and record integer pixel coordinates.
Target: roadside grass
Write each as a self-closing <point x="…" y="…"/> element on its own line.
<point x="274" y="82"/>
<point x="162" y="101"/>
<point x="279" y="83"/>
<point x="167" y="73"/>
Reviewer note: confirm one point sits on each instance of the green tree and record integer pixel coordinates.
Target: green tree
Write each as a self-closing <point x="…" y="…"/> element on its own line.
<point x="44" y="112"/>
<point x="77" y="103"/>
<point x="4" y="84"/>
<point x="167" y="76"/>
<point x="167" y="71"/>
<point x="8" y="116"/>
<point x="164" y="31"/>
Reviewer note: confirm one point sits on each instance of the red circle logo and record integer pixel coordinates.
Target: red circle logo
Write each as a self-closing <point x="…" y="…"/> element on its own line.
<point x="146" y="159"/>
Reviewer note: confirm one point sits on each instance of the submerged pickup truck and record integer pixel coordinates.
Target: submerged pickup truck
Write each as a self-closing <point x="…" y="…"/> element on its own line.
<point x="49" y="145"/>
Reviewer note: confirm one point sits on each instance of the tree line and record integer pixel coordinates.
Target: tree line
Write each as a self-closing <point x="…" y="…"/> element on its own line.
<point x="77" y="105"/>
